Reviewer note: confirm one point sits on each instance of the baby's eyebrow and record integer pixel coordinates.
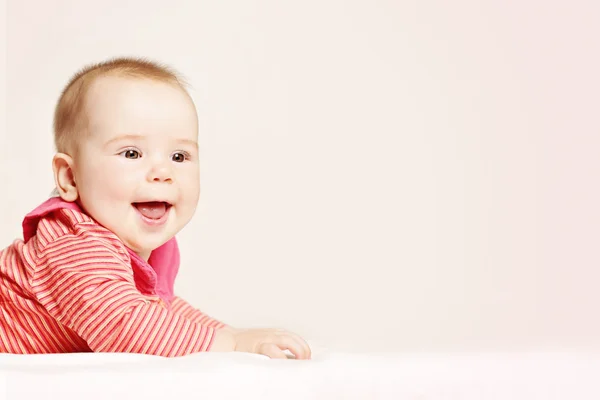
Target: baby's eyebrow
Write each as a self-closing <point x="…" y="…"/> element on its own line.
<point x="119" y="138"/>
<point x="133" y="136"/>
<point x="190" y="142"/>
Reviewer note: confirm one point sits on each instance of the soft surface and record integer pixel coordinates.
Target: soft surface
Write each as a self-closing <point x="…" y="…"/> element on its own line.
<point x="329" y="375"/>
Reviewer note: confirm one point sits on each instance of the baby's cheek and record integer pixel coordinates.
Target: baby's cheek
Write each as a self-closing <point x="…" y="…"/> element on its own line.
<point x="120" y="184"/>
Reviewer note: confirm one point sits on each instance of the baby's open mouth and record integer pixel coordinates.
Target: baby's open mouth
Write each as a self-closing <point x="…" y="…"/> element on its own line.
<point x="152" y="209"/>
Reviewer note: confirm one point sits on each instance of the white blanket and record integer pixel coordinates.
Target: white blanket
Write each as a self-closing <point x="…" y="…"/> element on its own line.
<point x="514" y="376"/>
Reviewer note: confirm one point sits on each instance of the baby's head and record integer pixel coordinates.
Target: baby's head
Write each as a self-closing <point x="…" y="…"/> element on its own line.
<point x="126" y="133"/>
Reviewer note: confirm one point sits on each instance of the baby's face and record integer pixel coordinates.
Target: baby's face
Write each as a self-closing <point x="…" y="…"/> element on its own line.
<point x="138" y="173"/>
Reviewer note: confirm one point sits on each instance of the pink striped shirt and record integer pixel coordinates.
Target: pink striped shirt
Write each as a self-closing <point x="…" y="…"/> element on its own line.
<point x="72" y="286"/>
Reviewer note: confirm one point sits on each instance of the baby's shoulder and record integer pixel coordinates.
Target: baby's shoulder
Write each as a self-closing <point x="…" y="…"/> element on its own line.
<point x="78" y="229"/>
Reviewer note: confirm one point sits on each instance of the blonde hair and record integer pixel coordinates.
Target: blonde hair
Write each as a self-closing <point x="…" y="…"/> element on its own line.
<point x="70" y="119"/>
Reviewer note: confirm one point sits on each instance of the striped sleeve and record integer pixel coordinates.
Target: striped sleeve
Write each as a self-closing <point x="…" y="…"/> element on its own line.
<point x="84" y="284"/>
<point x="185" y="309"/>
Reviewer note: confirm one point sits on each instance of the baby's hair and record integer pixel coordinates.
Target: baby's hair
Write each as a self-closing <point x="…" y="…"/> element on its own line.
<point x="70" y="121"/>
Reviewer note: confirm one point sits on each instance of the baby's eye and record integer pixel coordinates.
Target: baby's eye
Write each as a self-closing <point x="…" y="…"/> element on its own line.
<point x="179" y="157"/>
<point x="131" y="154"/>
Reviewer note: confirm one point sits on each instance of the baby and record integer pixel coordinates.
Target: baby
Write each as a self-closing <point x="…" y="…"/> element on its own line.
<point x="96" y="268"/>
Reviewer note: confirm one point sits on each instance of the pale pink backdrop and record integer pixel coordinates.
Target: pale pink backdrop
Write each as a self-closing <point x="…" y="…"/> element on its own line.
<point x="382" y="175"/>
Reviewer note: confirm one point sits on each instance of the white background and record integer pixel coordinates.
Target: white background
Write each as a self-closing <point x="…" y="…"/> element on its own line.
<point x="376" y="175"/>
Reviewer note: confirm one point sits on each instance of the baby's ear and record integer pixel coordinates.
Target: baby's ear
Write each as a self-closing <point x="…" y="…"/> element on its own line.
<point x="62" y="165"/>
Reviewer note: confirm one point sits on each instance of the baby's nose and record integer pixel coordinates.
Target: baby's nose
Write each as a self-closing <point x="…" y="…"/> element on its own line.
<point x="161" y="173"/>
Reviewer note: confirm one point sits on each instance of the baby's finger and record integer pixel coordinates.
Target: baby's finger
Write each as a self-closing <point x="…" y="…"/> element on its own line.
<point x="288" y="342"/>
<point x="306" y="352"/>
<point x="271" y="350"/>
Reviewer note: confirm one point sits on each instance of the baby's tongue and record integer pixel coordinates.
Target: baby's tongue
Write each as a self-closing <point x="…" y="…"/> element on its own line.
<point x="152" y="209"/>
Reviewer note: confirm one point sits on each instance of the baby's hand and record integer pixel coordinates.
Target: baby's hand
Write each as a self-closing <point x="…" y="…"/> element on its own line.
<point x="271" y="343"/>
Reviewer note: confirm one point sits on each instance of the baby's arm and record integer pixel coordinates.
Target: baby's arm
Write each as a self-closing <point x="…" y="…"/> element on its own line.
<point x="87" y="286"/>
<point x="269" y="342"/>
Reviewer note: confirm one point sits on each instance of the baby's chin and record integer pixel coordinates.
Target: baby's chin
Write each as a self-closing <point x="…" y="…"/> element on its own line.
<point x="144" y="248"/>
